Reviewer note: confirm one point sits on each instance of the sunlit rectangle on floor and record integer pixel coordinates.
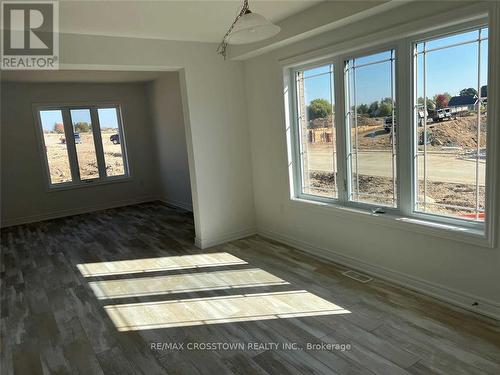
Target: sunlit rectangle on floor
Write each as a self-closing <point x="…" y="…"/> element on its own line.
<point x="190" y="282"/>
<point x="223" y="309"/>
<point x="158" y="264"/>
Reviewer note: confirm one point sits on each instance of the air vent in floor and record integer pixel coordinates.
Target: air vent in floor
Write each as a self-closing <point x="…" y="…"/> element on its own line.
<point x="357" y="276"/>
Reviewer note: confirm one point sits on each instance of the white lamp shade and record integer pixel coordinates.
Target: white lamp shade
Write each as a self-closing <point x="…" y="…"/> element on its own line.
<point x="252" y="27"/>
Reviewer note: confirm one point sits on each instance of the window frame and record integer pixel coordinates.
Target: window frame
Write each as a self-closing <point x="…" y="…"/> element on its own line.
<point x="295" y="130"/>
<point x="76" y="181"/>
<point x="379" y="48"/>
<point x="412" y="42"/>
<point x="341" y="130"/>
<point x="479" y="233"/>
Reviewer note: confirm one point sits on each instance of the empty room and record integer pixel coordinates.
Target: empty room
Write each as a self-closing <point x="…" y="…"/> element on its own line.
<point x="250" y="187"/>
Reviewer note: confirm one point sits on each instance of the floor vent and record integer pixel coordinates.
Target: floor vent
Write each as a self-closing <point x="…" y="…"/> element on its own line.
<point x="357" y="276"/>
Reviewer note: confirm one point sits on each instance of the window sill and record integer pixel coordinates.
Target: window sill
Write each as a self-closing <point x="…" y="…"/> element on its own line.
<point x="452" y="232"/>
<point x="83" y="185"/>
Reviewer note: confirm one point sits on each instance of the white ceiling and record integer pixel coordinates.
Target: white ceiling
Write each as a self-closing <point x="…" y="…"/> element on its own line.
<point x="201" y="21"/>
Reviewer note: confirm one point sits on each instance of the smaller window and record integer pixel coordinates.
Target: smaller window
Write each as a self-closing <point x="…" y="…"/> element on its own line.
<point x="82" y="144"/>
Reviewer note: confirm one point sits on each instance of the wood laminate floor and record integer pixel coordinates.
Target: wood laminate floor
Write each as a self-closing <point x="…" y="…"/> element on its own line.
<point x="124" y="291"/>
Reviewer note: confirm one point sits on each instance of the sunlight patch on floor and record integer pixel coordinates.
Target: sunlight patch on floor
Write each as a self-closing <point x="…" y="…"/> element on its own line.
<point x="200" y="310"/>
<point x="216" y="310"/>
<point x="158" y="264"/>
<point x="183" y="283"/>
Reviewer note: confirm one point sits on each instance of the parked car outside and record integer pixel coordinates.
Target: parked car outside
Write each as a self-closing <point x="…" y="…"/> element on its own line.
<point x="388" y="124"/>
<point x="78" y="139"/>
<point x="115" y="138"/>
<point x="441" y="114"/>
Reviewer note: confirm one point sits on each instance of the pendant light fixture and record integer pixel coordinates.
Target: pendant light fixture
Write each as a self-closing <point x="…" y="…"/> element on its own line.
<point x="248" y="27"/>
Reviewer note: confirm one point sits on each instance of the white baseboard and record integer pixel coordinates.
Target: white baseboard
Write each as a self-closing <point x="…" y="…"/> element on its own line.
<point x="8" y="222"/>
<point x="454" y="297"/>
<point x="184" y="205"/>
<point x="210" y="242"/>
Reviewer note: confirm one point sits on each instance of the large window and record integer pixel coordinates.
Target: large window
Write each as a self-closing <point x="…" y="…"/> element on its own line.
<point x="376" y="150"/>
<point x="450" y="132"/>
<point x="82" y="144"/>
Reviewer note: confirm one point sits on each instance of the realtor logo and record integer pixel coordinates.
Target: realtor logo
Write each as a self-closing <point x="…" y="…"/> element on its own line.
<point x="30" y="35"/>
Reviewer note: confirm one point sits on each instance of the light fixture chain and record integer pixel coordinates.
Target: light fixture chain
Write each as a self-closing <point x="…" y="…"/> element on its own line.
<point x="222" y="48"/>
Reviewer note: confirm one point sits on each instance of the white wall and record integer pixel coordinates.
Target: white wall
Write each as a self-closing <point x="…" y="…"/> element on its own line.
<point x="24" y="193"/>
<point x="452" y="270"/>
<point x="170" y="137"/>
<point x="214" y="104"/>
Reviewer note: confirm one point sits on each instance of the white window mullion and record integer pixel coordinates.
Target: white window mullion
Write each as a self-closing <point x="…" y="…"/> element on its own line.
<point x="121" y="130"/>
<point x="478" y="141"/>
<point x="424" y="89"/>
<point x="405" y="150"/>
<point x="295" y="136"/>
<point x="393" y="132"/>
<point x="354" y="110"/>
<point x="346" y="127"/>
<point x="302" y="126"/>
<point x="70" y="144"/>
<point x="96" y="130"/>
<point x="340" y="128"/>
<point x="334" y="125"/>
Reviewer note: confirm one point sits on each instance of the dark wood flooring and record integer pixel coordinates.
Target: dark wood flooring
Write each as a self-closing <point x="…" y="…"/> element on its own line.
<point x="52" y="321"/>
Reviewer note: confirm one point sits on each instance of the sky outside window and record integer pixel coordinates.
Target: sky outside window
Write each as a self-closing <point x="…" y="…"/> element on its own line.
<point x="444" y="73"/>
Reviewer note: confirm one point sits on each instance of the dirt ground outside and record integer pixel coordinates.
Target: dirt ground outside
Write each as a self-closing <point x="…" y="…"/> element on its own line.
<point x="450" y="166"/>
<point x="459" y="133"/>
<point x="379" y="190"/>
<point x="57" y="157"/>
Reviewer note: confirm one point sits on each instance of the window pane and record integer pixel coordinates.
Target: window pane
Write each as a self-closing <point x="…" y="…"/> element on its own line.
<point x="111" y="141"/>
<point x="484" y="33"/>
<point x="84" y="142"/>
<point x="55" y="146"/>
<point x="451" y="144"/>
<point x="452" y="39"/>
<point x="325" y="69"/>
<point x="317" y="131"/>
<point x="372" y="129"/>
<point x="377" y="57"/>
